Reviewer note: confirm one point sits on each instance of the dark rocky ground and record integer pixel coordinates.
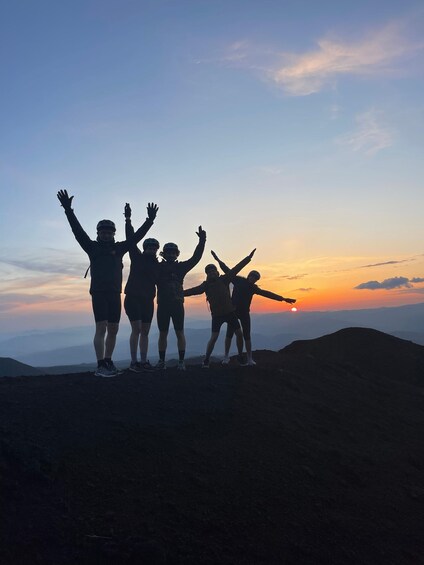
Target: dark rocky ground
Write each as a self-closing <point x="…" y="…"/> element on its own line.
<point x="315" y="456"/>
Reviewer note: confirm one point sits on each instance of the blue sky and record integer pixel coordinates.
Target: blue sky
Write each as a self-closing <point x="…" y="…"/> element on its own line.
<point x="293" y="127"/>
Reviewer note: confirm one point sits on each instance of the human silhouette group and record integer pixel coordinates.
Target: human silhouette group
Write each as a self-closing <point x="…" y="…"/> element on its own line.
<point x="164" y="279"/>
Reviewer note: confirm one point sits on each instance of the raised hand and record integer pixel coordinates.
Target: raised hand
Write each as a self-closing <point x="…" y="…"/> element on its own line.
<point x="201" y="234"/>
<point x="289" y="300"/>
<point x="64" y="199"/>
<point x="127" y="211"/>
<point x="252" y="253"/>
<point x="214" y="255"/>
<point x="152" y="210"/>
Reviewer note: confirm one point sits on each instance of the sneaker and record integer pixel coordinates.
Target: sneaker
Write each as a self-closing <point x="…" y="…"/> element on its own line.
<point x="104" y="372"/>
<point x="111" y="366"/>
<point x="205" y="364"/>
<point x="251" y="363"/>
<point x="146" y="367"/>
<point x="135" y="367"/>
<point x="241" y="360"/>
<point x="225" y="361"/>
<point x="160" y="365"/>
<point x="181" y="365"/>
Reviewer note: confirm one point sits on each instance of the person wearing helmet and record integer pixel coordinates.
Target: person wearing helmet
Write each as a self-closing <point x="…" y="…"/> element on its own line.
<point x="140" y="292"/>
<point x="105" y="256"/>
<point x="217" y="290"/>
<point x="243" y="291"/>
<point x="170" y="298"/>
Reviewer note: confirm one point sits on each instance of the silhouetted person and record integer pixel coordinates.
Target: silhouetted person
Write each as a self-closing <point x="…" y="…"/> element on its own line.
<point x="140" y="292"/>
<point x="171" y="296"/>
<point x="243" y="291"/>
<point x="106" y="278"/>
<point x="217" y="290"/>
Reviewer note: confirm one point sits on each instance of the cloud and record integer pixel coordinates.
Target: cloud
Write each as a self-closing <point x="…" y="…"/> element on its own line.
<point x="386" y="263"/>
<point x="303" y="289"/>
<point x="389" y="284"/>
<point x="370" y="135"/>
<point x="51" y="261"/>
<point x="293" y="277"/>
<point x="302" y="74"/>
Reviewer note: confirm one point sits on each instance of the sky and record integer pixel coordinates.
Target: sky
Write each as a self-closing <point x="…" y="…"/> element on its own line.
<point x="293" y="127"/>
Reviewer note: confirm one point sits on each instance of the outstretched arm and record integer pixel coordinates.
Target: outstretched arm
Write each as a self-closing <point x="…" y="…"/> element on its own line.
<point x="233" y="272"/>
<point x="80" y="235"/>
<point x="273" y="296"/>
<point x="195" y="290"/>
<point x="129" y="231"/>
<point x="198" y="252"/>
<point x="222" y="265"/>
<point x="152" y="210"/>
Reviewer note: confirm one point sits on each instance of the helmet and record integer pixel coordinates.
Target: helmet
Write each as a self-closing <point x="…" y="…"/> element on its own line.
<point x="210" y="267"/>
<point x="254" y="274"/>
<point x="171" y="247"/>
<point x="106" y="225"/>
<point x="151" y="242"/>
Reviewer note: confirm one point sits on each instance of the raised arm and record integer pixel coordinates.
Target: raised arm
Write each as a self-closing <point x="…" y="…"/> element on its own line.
<point x="222" y="265"/>
<point x="129" y="229"/>
<point x="198" y="252"/>
<point x="233" y="272"/>
<point x="152" y="210"/>
<point x="200" y="289"/>
<point x="80" y="235"/>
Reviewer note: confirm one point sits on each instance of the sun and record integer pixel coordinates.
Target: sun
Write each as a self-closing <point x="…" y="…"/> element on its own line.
<point x="294" y="309"/>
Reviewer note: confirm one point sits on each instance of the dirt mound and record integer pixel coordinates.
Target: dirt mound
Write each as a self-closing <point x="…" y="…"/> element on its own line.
<point x="292" y="461"/>
<point x="367" y="351"/>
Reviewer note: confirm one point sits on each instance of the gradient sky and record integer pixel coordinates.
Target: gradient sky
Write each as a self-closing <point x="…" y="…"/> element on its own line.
<point x="295" y="127"/>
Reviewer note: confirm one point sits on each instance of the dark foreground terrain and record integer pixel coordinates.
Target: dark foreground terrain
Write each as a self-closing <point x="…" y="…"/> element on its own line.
<point x="315" y="456"/>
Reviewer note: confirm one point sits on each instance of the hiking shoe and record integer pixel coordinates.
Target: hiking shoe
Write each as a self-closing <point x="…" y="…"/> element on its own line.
<point x="241" y="360"/>
<point x="225" y="361"/>
<point x="160" y="365"/>
<point x="205" y="364"/>
<point x="111" y="366"/>
<point x="135" y="367"/>
<point x="251" y="363"/>
<point x="181" y="365"/>
<point x="104" y="372"/>
<point x="146" y="367"/>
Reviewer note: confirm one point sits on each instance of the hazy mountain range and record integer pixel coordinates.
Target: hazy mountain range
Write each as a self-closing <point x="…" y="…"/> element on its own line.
<point x="270" y="331"/>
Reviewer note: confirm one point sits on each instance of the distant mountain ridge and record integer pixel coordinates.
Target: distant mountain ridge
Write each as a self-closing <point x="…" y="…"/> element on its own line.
<point x="270" y="331"/>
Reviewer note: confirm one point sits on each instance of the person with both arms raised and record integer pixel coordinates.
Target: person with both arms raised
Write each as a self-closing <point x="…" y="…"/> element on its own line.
<point x="171" y="297"/>
<point x="140" y="292"/>
<point x="217" y="289"/>
<point x="243" y="291"/>
<point x="105" y="256"/>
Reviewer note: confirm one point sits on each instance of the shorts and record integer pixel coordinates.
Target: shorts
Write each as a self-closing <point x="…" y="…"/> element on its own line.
<point x="106" y="306"/>
<point x="139" y="308"/>
<point x="231" y="319"/>
<point x="166" y="312"/>
<point x="244" y="318"/>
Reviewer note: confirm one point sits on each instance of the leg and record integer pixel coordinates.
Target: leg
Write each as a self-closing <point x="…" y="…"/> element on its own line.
<point x="244" y="318"/>
<point x="144" y="341"/>
<point x="228" y="339"/>
<point x="239" y="341"/>
<point x="163" y="317"/>
<point x="178" y="323"/>
<point x="134" y="337"/>
<point x="211" y="345"/>
<point x="99" y="340"/>
<point x="112" y="330"/>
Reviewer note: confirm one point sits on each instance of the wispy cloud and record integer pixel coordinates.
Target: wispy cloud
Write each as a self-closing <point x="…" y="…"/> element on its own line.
<point x="293" y="277"/>
<point x="301" y="74"/>
<point x="393" y="262"/>
<point x="308" y="289"/>
<point x="389" y="284"/>
<point x="371" y="134"/>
